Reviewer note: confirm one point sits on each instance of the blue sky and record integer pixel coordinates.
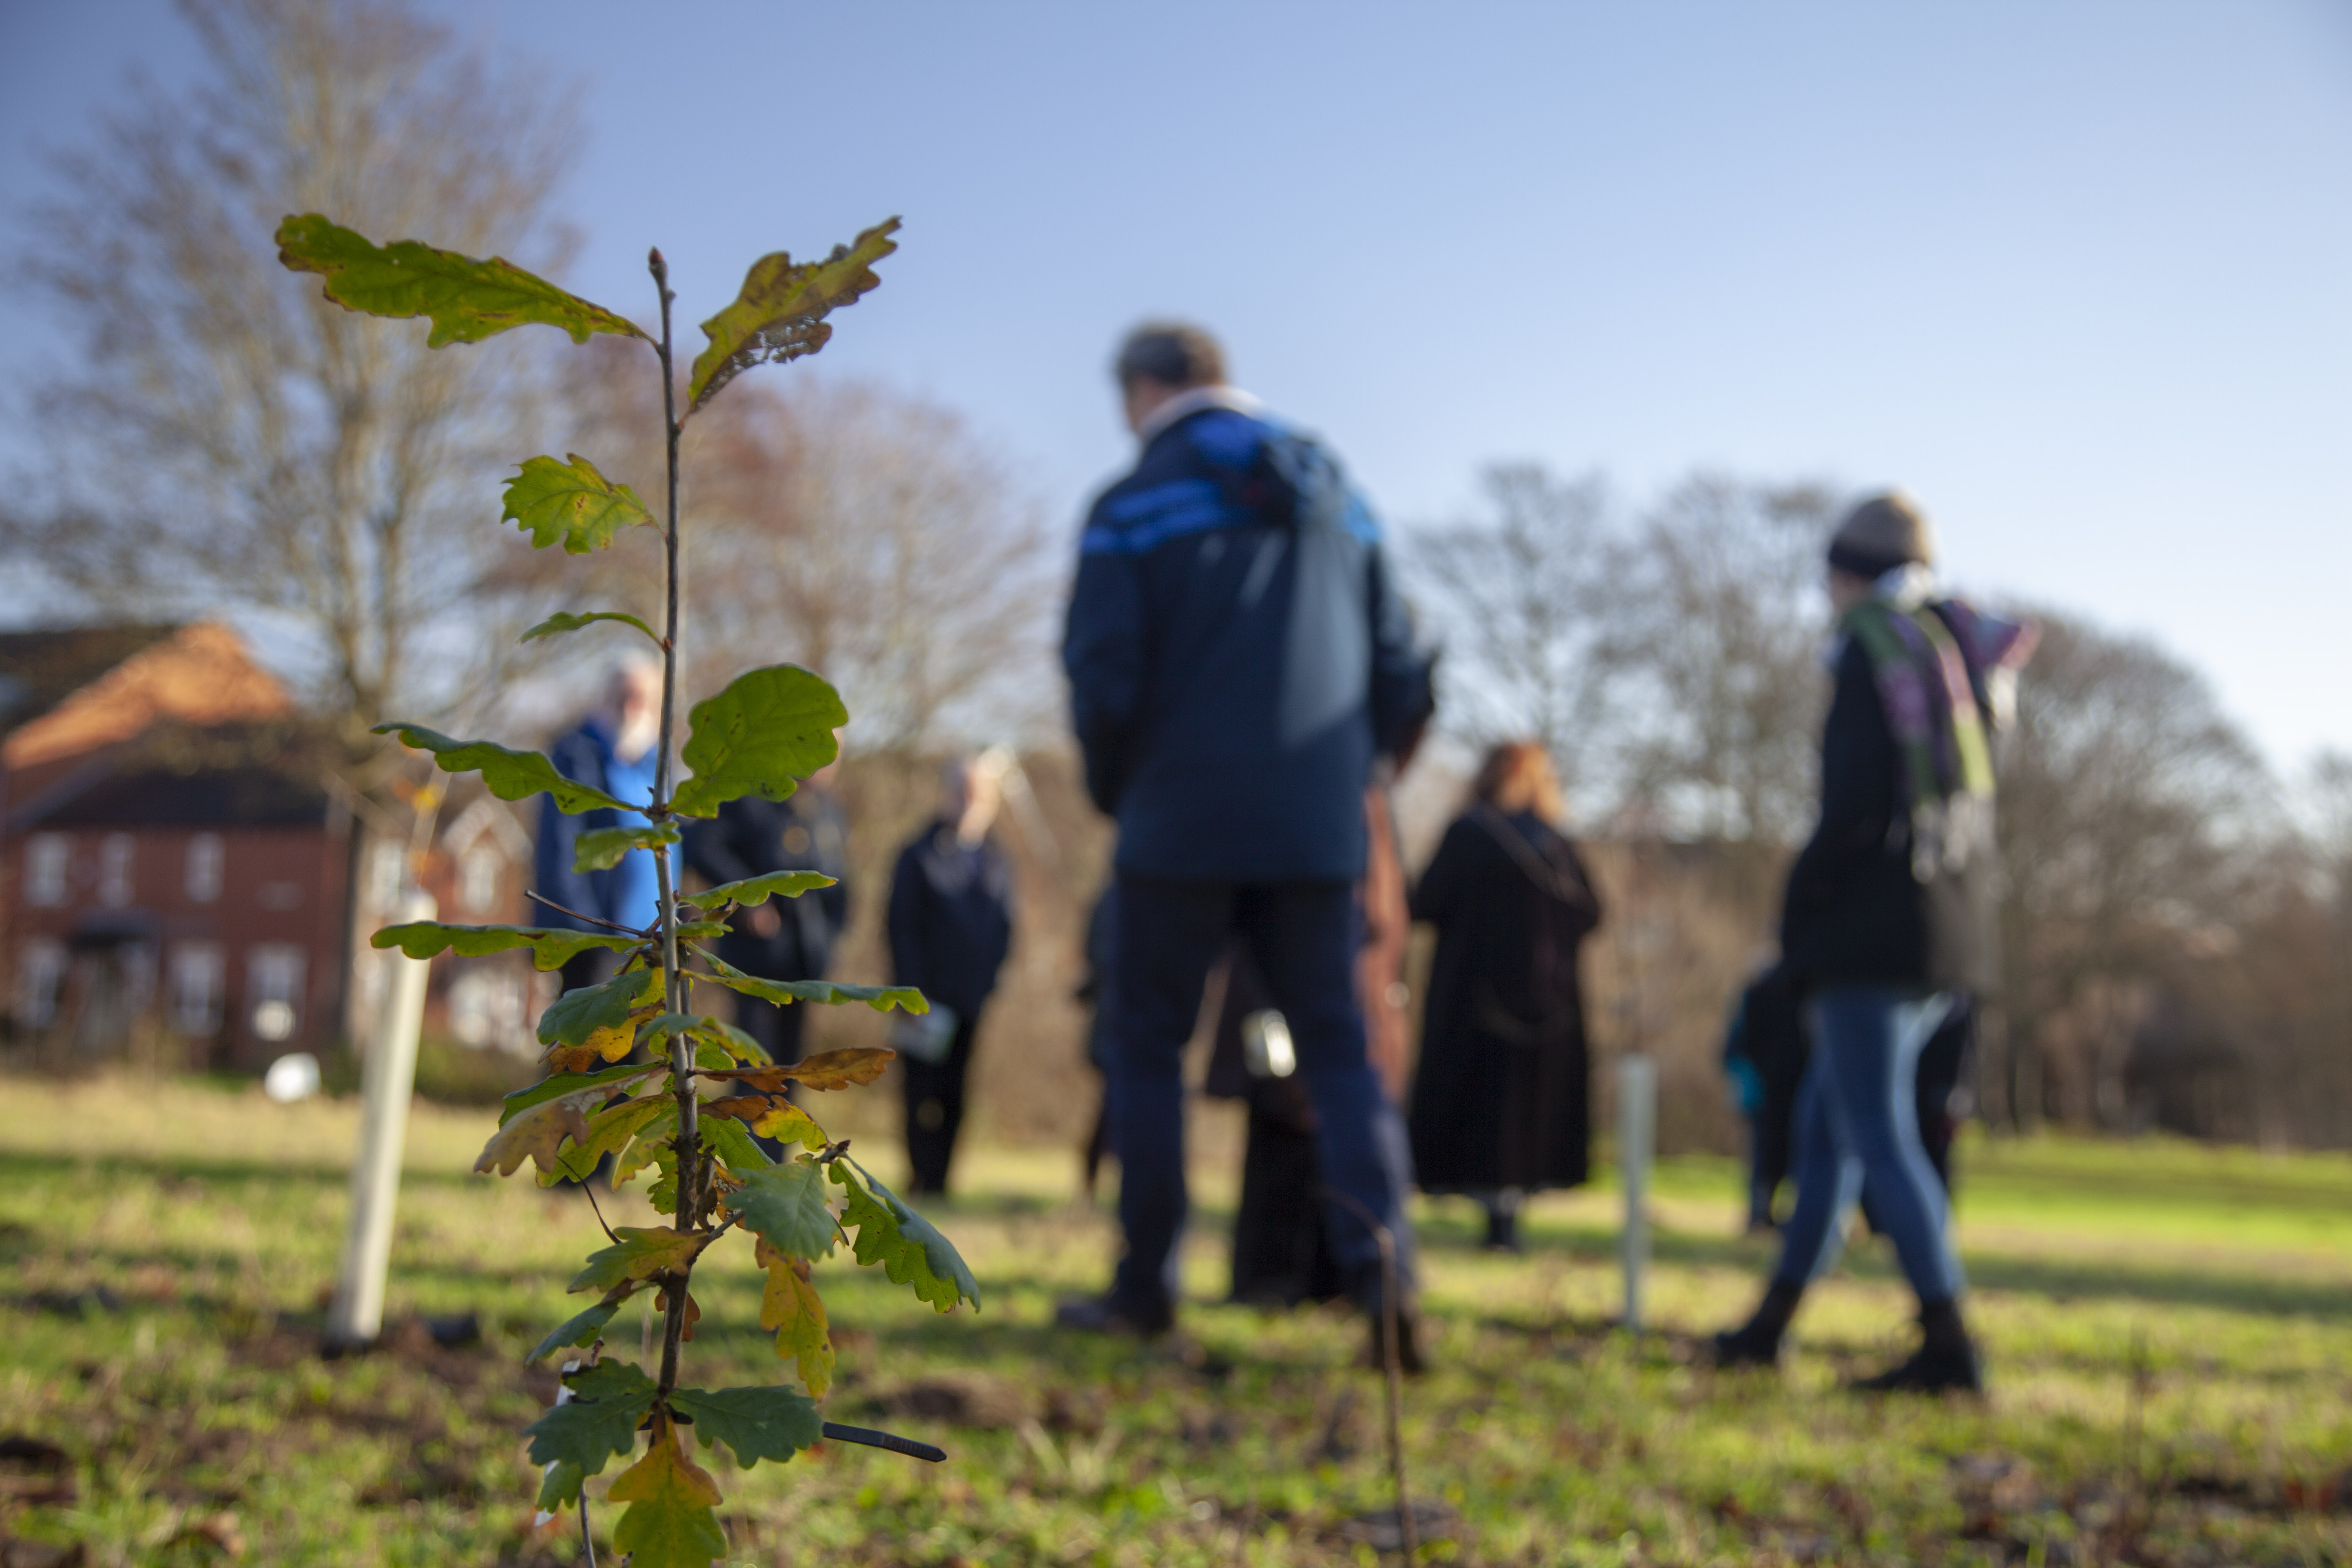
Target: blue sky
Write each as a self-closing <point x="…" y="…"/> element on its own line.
<point x="2079" y="276"/>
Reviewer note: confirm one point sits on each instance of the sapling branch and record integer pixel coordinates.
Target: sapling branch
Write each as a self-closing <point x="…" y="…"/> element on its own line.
<point x="591" y="919"/>
<point x="688" y="1143"/>
<point x="777" y="317"/>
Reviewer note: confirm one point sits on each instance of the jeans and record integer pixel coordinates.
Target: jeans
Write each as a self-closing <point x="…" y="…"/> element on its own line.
<point x="1304" y="936"/>
<point x="1857" y="1123"/>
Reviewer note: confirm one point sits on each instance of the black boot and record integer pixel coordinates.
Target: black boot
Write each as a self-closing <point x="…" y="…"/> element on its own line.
<point x="1503" y="1229"/>
<point x="1944" y="1363"/>
<point x="1756" y="1342"/>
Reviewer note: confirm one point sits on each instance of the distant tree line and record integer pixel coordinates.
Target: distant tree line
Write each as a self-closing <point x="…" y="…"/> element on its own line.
<point x="2176" y="920"/>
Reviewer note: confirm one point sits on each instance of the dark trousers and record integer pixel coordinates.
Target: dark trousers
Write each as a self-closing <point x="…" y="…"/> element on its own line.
<point x="1303" y="936"/>
<point x="935" y="1109"/>
<point x="1282" y="1253"/>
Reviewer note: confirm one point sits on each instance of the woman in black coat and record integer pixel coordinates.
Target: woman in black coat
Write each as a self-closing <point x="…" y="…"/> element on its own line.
<point x="1500" y="1094"/>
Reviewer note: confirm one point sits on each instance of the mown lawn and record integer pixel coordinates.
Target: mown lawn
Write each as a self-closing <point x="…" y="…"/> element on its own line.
<point x="2169" y="1329"/>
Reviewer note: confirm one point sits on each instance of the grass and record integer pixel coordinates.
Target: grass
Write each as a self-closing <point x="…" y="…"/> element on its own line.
<point x="2170" y="1329"/>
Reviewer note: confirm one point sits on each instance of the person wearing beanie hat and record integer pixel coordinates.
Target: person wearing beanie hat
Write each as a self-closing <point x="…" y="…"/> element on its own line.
<point x="1884" y="926"/>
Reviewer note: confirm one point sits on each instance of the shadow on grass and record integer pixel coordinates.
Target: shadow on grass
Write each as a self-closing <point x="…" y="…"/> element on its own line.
<point x="2057" y="1279"/>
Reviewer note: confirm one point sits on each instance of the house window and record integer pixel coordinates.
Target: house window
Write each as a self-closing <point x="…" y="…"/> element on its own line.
<point x="273" y="990"/>
<point x="387" y="868"/>
<point x="199" y="975"/>
<point x="477" y="878"/>
<point x="49" y="857"/>
<point x="114" y="853"/>
<point x="205" y="862"/>
<point x="40" y="974"/>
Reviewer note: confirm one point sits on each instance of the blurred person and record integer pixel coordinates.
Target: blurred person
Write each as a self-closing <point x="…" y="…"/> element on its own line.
<point x="1282" y="1253"/>
<point x="951" y="927"/>
<point x="1093" y="993"/>
<point x="1886" y="922"/>
<point x="783" y="938"/>
<point x="1501" y="1095"/>
<point x="1238" y="660"/>
<point x="613" y="748"/>
<point x="1764" y="1052"/>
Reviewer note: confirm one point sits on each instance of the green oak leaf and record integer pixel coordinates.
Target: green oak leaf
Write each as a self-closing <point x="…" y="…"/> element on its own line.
<point x="779" y="314"/>
<point x="725" y="1138"/>
<point x="783" y="992"/>
<point x="601" y="848"/>
<point x="571" y="1017"/>
<point x="571" y="503"/>
<point x="612" y="1080"/>
<point x="771" y="726"/>
<point x="599" y="1421"/>
<point x="651" y="1145"/>
<point x="558" y="1488"/>
<point x="910" y="1248"/>
<point x="785" y="1206"/>
<point x="581" y="1327"/>
<point x="565" y="621"/>
<point x="468" y="299"/>
<point x="549" y="948"/>
<point x="757" y="1422"/>
<point x="608" y="1131"/>
<point x="638" y="1254"/>
<point x="671" y="1520"/>
<point x="729" y="1041"/>
<point x="511" y="774"/>
<point x="759" y="890"/>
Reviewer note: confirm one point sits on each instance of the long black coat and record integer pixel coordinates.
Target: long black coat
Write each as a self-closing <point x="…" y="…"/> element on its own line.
<point x="1500" y="1095"/>
<point x="752" y="838"/>
<point x="1855" y="914"/>
<point x="950" y="923"/>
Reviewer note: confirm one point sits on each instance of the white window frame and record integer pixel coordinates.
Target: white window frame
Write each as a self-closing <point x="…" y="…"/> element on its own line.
<point x="478" y="878"/>
<point x="117" y="865"/>
<point x="199" y="986"/>
<point x="273" y="981"/>
<point x="49" y="870"/>
<point x="206" y="868"/>
<point x="40" y="980"/>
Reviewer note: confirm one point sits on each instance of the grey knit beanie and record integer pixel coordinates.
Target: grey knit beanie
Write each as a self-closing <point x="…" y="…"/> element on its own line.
<point x="1882" y="534"/>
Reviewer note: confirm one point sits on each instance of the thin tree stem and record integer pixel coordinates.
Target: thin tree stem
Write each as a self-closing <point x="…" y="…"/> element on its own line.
<point x="681" y="1048"/>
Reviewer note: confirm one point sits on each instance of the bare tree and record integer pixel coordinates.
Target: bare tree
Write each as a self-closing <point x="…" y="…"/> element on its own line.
<point x="2127" y="799"/>
<point x="1516" y="597"/>
<point x="225" y="437"/>
<point x="1714" y="628"/>
<point x="864" y="533"/>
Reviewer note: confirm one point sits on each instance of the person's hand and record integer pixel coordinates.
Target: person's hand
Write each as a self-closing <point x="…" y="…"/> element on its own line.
<point x="765" y="921"/>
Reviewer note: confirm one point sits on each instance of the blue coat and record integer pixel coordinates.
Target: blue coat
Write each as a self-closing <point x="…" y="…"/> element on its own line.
<point x="627" y="893"/>
<point x="1237" y="656"/>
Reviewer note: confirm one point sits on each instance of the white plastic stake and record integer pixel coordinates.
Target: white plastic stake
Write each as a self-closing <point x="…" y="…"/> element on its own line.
<point x="386" y="1080"/>
<point x="1637" y="1121"/>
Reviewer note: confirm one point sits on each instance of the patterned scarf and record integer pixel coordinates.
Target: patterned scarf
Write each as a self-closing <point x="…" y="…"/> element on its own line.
<point x="1923" y="685"/>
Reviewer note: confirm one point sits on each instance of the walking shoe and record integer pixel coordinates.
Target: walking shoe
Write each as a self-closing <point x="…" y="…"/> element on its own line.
<point x="1103" y="1315"/>
<point x="1756" y="1342"/>
<point x="1944" y="1363"/>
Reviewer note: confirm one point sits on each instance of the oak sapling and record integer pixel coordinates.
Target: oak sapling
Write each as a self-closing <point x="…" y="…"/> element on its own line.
<point x="767" y="730"/>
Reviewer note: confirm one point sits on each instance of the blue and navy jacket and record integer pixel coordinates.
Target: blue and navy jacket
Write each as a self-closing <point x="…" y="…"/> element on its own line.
<point x="1237" y="656"/>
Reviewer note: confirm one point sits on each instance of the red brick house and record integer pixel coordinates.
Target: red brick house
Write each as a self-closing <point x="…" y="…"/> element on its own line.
<point x="177" y="866"/>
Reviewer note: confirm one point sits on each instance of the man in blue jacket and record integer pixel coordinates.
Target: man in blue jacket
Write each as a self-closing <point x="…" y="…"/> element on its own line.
<point x="1238" y="660"/>
<point x="613" y="748"/>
